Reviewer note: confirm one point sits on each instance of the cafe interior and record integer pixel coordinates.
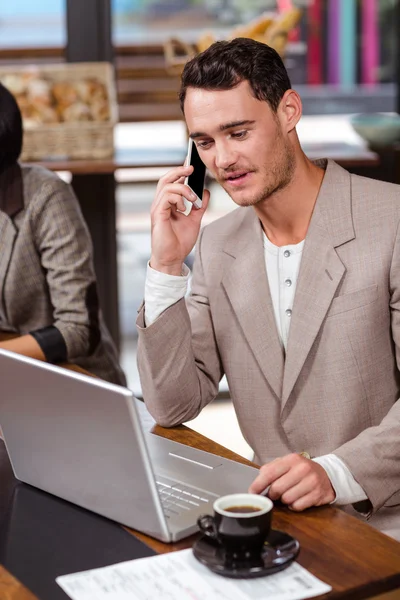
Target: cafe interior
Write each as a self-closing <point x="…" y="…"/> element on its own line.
<point x="342" y="56"/>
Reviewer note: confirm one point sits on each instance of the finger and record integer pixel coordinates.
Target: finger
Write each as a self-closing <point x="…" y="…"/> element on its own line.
<point x="295" y="492"/>
<point x="197" y="213"/>
<point x="177" y="188"/>
<point x="206" y="200"/>
<point x="314" y="484"/>
<point x="173" y="189"/>
<point x="303" y="502"/>
<point x="300" y="469"/>
<point x="284" y="484"/>
<point x="173" y="176"/>
<point x="165" y="190"/>
<point x="268" y="474"/>
<point x="171" y="203"/>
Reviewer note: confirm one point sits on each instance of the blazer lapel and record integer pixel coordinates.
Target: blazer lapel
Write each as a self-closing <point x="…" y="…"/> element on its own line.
<point x="11" y="202"/>
<point x="8" y="233"/>
<point x="321" y="270"/>
<point x="246" y="285"/>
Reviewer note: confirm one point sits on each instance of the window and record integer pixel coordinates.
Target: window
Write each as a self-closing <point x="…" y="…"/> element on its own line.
<point x="28" y="24"/>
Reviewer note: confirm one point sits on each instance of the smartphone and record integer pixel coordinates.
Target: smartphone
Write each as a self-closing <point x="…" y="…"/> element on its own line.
<point x="196" y="179"/>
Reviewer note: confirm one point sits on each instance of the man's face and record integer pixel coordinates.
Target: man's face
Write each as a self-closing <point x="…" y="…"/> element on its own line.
<point x="241" y="141"/>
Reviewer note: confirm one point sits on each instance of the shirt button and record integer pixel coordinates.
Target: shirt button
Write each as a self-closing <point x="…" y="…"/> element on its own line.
<point x="286" y="254"/>
<point x="288" y="282"/>
<point x="288" y="312"/>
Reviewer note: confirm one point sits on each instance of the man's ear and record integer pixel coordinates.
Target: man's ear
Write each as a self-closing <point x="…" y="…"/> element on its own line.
<point x="290" y="110"/>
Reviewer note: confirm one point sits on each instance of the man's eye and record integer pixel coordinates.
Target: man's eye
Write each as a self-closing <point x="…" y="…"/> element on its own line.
<point x="239" y="134"/>
<point x="203" y="144"/>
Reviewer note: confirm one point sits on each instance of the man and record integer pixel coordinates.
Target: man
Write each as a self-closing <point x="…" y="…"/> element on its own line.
<point x="295" y="295"/>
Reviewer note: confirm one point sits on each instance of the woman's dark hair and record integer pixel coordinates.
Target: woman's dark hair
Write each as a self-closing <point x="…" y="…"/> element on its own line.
<point x="10" y="129"/>
<point x="226" y="64"/>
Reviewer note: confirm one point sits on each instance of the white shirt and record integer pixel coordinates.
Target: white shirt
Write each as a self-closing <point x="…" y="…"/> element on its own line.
<point x="282" y="265"/>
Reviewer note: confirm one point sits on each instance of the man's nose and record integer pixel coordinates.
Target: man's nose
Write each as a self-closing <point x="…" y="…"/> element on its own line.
<point x="224" y="157"/>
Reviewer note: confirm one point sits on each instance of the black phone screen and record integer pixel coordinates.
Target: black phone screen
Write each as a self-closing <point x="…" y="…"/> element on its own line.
<point x="196" y="179"/>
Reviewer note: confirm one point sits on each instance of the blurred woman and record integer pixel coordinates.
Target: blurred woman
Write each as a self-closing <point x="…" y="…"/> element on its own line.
<point x="48" y="290"/>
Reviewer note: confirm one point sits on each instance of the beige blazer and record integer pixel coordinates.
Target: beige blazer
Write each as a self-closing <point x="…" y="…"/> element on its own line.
<point x="47" y="280"/>
<point x="336" y="389"/>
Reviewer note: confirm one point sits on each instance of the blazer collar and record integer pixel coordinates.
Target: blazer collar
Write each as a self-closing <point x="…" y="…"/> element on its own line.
<point x="321" y="269"/>
<point x="11" y="190"/>
<point x="11" y="202"/>
<point x="332" y="211"/>
<point x="245" y="283"/>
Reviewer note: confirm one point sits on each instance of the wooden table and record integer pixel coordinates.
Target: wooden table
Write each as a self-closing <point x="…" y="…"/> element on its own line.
<point x="355" y="559"/>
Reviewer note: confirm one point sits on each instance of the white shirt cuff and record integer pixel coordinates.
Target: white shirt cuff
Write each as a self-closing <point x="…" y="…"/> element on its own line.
<point x="346" y="488"/>
<point x="162" y="291"/>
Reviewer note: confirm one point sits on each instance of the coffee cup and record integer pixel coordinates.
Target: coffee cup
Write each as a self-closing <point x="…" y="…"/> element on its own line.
<point x="240" y="525"/>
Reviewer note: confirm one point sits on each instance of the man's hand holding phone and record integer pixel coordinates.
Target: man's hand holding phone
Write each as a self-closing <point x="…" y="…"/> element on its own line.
<point x="173" y="231"/>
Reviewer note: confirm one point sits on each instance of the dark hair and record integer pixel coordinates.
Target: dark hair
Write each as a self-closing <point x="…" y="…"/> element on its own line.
<point x="226" y="64"/>
<point x="10" y="129"/>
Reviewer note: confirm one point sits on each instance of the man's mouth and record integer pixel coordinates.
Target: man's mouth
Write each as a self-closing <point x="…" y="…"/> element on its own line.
<point x="238" y="177"/>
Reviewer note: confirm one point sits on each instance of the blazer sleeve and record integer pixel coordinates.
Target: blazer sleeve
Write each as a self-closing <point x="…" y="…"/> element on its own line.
<point x="373" y="457"/>
<point x="178" y="360"/>
<point x="64" y="245"/>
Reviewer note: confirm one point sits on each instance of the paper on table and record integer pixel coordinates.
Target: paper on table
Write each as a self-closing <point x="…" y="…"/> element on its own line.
<point x="179" y="576"/>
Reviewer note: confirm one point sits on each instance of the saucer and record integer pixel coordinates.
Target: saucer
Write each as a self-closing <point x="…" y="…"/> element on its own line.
<point x="279" y="552"/>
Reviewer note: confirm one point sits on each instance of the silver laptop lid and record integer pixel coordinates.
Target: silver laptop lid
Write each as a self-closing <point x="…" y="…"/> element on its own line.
<point x="79" y="438"/>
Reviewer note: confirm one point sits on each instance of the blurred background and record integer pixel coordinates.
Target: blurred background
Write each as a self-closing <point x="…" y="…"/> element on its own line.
<point x="337" y="42"/>
<point x="342" y="57"/>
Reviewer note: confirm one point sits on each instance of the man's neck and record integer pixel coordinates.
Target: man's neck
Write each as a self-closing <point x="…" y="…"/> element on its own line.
<point x="285" y="216"/>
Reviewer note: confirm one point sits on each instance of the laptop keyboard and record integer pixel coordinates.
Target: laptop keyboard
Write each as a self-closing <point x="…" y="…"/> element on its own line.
<point x="177" y="498"/>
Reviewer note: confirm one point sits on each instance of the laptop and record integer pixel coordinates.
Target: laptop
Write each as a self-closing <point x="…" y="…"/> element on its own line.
<point x="82" y="439"/>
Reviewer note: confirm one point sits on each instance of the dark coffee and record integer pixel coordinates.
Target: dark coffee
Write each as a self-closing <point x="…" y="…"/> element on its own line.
<point x="240" y="529"/>
<point x="243" y="509"/>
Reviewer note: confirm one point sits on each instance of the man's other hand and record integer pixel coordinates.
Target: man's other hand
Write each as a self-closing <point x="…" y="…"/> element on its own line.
<point x="297" y="481"/>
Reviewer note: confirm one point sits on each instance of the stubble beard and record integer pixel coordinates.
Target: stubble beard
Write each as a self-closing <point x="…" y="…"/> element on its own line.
<point x="278" y="176"/>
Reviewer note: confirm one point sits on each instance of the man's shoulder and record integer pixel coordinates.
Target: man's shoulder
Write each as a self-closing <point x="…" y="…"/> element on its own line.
<point x="375" y="203"/>
<point x="362" y="189"/>
<point x="366" y="187"/>
<point x="371" y="186"/>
